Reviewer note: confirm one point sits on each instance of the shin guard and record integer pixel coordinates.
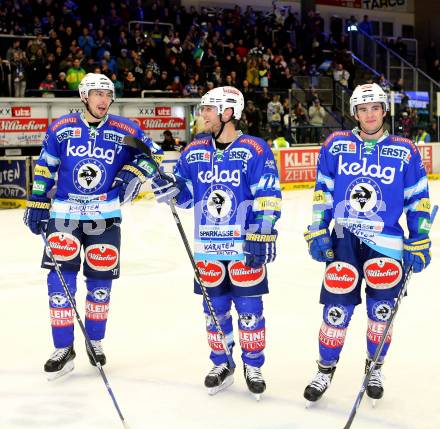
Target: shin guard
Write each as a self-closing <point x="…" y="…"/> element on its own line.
<point x="379" y="311"/>
<point x="61" y="311"/>
<point x="222" y="308"/>
<point x="97" y="307"/>
<point x="336" y="318"/>
<point x="252" y="329"/>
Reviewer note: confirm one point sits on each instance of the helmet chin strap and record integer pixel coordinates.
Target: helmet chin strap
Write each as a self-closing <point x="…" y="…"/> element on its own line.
<point x="222" y="126"/>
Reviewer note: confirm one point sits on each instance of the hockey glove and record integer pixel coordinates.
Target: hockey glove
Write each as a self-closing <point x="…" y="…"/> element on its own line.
<point x="416" y="253"/>
<point x="164" y="187"/>
<point x="131" y="177"/>
<point x="320" y="244"/>
<point x="260" y="249"/>
<point x="36" y="214"/>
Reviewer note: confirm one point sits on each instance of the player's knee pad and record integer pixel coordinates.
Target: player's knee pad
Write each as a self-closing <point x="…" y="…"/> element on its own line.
<point x="336" y="318"/>
<point x="221" y="304"/>
<point x="61" y="311"/>
<point x="251" y="323"/>
<point x="98" y="298"/>
<point x="54" y="283"/>
<point x="222" y="308"/>
<point x="379" y="312"/>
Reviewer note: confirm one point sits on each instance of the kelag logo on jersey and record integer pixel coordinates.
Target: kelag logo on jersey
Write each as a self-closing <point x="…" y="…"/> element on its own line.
<point x="386" y="174"/>
<point x="92" y="152"/>
<point x="68" y="133"/>
<point x="88" y="176"/>
<point x="398" y="152"/>
<point x="223" y="176"/>
<point x="198" y="156"/>
<point x="343" y="147"/>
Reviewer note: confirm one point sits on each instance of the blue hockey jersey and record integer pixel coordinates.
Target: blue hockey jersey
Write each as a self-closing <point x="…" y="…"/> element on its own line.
<point x="83" y="161"/>
<point x="366" y="190"/>
<point x="233" y="192"/>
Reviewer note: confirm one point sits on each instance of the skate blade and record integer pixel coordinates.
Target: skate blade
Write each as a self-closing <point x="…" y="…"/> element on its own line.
<point x="257" y="396"/>
<point x="374" y="402"/>
<point x="226" y="383"/>
<point x="309" y="404"/>
<point x="51" y="376"/>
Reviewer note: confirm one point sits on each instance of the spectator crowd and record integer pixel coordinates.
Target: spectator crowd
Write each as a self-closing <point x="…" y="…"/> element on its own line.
<point x="151" y="46"/>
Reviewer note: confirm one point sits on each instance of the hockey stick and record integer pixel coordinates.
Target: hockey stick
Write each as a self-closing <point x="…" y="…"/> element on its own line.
<point x="81" y="325"/>
<point x="380" y="346"/>
<point x="138" y="144"/>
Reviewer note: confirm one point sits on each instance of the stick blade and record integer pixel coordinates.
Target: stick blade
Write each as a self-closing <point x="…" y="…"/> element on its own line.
<point x="136" y="143"/>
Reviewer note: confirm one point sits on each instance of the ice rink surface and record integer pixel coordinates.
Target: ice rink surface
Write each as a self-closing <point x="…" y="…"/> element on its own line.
<point x="157" y="353"/>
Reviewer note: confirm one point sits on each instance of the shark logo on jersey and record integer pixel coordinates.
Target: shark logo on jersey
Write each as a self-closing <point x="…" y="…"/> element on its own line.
<point x="363" y="197"/>
<point x="89" y="175"/>
<point x="219" y="204"/>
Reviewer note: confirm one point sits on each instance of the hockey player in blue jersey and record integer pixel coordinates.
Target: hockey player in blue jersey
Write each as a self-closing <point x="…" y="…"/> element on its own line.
<point x="84" y="154"/>
<point x="231" y="180"/>
<point x="366" y="179"/>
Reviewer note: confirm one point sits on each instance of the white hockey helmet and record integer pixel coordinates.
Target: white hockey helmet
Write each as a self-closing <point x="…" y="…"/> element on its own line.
<point x="368" y="93"/>
<point x="224" y="97"/>
<point x="95" y="81"/>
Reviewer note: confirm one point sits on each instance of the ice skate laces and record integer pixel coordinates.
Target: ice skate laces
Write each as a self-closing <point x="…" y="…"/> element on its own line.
<point x="321" y="381"/>
<point x="59" y="354"/>
<point x="97" y="347"/>
<point x="253" y="373"/>
<point x="376" y="378"/>
<point x="218" y="370"/>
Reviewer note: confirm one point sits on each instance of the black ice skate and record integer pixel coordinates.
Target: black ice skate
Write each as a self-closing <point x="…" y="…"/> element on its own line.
<point x="375" y="386"/>
<point x="99" y="352"/>
<point x="220" y="377"/>
<point x="60" y="363"/>
<point x="254" y="380"/>
<point x="314" y="391"/>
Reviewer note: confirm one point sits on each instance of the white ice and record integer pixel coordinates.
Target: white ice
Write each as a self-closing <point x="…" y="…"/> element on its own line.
<point x="158" y="354"/>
